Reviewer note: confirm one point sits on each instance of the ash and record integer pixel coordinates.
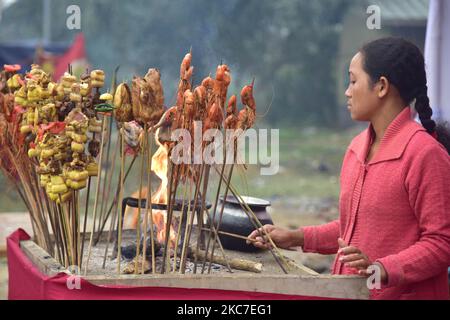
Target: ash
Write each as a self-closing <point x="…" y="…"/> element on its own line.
<point x="110" y="265"/>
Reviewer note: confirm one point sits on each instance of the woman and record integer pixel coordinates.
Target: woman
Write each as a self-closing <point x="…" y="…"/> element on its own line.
<point x="395" y="182"/>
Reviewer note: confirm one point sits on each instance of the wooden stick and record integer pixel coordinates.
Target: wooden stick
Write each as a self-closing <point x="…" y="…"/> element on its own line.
<point x="188" y="215"/>
<point x="85" y="219"/>
<point x="231" y="235"/>
<point x="115" y="200"/>
<point x="214" y="211"/>
<point x="96" y="193"/>
<point x="173" y="186"/>
<point x="148" y="206"/>
<point x="224" y="197"/>
<point x="179" y="225"/>
<point x="105" y="193"/>
<point x="109" y="178"/>
<point x="239" y="264"/>
<point x="86" y="208"/>
<point x="255" y="221"/>
<point x="122" y="165"/>
<point x="141" y="178"/>
<point x="191" y="220"/>
<point x="200" y="223"/>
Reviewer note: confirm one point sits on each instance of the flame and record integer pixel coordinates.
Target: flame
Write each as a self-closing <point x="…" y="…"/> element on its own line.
<point x="160" y="168"/>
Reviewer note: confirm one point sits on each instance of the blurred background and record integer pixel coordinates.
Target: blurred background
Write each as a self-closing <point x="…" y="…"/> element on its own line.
<point x="297" y="50"/>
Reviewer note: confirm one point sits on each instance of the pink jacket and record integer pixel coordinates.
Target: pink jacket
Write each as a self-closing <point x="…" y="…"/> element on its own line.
<point x="396" y="210"/>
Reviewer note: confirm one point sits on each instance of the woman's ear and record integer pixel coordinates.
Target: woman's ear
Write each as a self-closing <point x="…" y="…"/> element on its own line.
<point x="383" y="87"/>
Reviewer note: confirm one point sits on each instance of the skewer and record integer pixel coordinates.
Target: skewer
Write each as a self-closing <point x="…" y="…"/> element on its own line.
<point x="231" y="235"/>
<point x="206" y="171"/>
<point x="86" y="207"/>
<point x="103" y="213"/>
<point x="214" y="213"/>
<point x="115" y="201"/>
<point x="190" y="222"/>
<point x="257" y="224"/>
<point x="200" y="223"/>
<point x="105" y="194"/>
<point x="96" y="192"/>
<point x="122" y="164"/>
<point x="148" y="206"/>
<point x="188" y="212"/>
<point x="225" y="195"/>
<point x="138" y="227"/>
<point x="173" y="186"/>
<point x="105" y="199"/>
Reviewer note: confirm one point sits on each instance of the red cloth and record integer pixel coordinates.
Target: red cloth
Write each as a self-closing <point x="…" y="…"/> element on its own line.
<point x="396" y="210"/>
<point x="27" y="283"/>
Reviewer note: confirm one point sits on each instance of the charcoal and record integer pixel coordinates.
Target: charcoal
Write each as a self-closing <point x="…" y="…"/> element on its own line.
<point x="129" y="251"/>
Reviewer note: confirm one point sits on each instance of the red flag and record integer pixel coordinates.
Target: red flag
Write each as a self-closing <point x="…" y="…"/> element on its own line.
<point x="76" y="56"/>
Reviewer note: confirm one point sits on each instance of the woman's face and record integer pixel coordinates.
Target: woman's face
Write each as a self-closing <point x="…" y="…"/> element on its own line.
<point x="362" y="101"/>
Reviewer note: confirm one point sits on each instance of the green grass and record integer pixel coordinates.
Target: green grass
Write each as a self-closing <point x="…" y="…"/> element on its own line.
<point x="301" y="153"/>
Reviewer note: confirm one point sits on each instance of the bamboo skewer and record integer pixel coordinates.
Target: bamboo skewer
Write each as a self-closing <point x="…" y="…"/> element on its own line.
<point x="148" y="208"/>
<point x="116" y="197"/>
<point x="179" y="225"/>
<point x="200" y="222"/>
<point x="105" y="192"/>
<point x="173" y="186"/>
<point x="85" y="219"/>
<point x="188" y="215"/>
<point x="122" y="164"/>
<point x="230" y="234"/>
<point x="212" y="219"/>
<point x="190" y="222"/>
<point x="224" y="197"/>
<point x="138" y="226"/>
<point x="105" y="201"/>
<point x="255" y="221"/>
<point x="96" y="193"/>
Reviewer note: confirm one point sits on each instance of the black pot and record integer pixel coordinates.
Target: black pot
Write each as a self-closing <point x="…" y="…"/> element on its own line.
<point x="236" y="221"/>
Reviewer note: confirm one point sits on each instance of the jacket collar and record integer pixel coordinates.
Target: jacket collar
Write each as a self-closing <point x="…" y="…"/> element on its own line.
<point x="394" y="142"/>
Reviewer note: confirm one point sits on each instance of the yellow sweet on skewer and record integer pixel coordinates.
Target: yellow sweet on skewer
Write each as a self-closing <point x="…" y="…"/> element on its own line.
<point x="67" y="81"/>
<point x="44" y="179"/>
<point x="65" y="197"/>
<point x="34" y="91"/>
<point x="77" y="147"/>
<point x="85" y="89"/>
<point x="13" y="82"/>
<point x="20" y="96"/>
<point x="106" y="97"/>
<point x="75" y="94"/>
<point x="92" y="168"/>
<point x="97" y="78"/>
<point x="57" y="185"/>
<point x="95" y="125"/>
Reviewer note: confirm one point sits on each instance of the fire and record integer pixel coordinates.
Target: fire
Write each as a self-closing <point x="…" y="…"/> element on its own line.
<point x="160" y="168"/>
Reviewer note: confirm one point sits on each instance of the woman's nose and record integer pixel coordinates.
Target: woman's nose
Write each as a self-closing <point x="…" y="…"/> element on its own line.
<point x="348" y="93"/>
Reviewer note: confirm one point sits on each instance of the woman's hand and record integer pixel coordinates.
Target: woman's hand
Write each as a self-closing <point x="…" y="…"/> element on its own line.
<point x="353" y="257"/>
<point x="282" y="238"/>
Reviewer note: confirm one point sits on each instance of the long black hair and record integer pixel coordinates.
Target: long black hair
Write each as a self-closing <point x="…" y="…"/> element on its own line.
<point x="402" y="63"/>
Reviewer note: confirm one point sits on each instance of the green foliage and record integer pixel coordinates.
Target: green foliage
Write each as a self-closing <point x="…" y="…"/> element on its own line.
<point x="289" y="46"/>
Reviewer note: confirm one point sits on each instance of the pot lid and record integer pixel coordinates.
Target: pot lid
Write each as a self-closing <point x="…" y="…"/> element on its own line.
<point x="251" y="201"/>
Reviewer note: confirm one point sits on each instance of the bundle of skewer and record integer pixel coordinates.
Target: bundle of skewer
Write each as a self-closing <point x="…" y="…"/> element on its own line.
<point x="48" y="126"/>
